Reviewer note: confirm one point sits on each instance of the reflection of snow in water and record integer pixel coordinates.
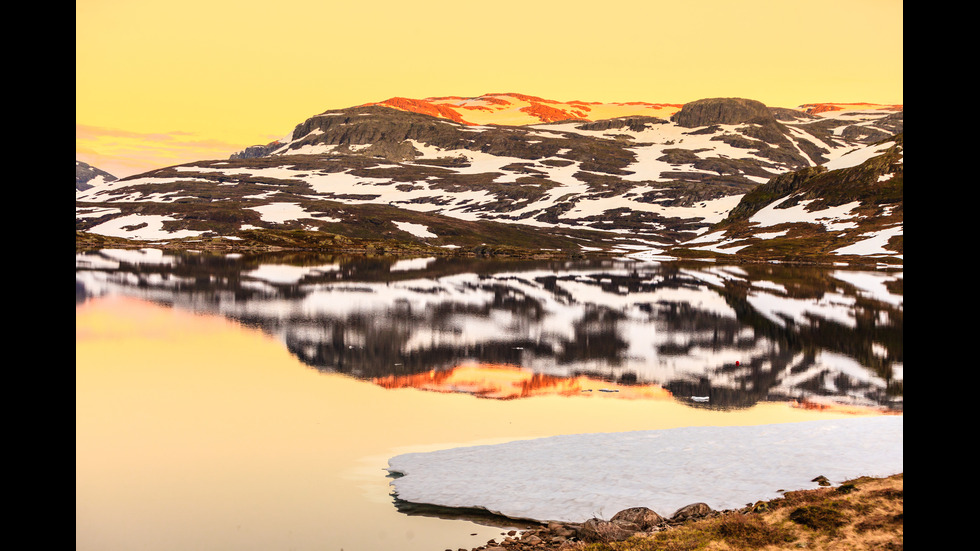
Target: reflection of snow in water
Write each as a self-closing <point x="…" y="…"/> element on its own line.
<point x="626" y="318"/>
<point x="575" y="477"/>
<point x="284" y="273"/>
<point x="873" y="284"/>
<point x="831" y="306"/>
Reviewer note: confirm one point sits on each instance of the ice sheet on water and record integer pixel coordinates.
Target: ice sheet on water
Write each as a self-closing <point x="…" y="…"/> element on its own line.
<point x="580" y="476"/>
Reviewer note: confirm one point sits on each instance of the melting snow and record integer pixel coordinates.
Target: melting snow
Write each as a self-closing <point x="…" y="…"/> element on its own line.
<point x="831" y="218"/>
<point x="580" y="476"/>
<point x="857" y="157"/>
<point x="874" y="244"/>
<point x="418" y="230"/>
<point x="284" y="212"/>
<point x="141" y="227"/>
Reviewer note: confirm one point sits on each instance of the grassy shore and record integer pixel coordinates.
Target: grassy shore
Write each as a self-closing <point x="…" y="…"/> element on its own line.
<point x="866" y="513"/>
<point x="862" y="514"/>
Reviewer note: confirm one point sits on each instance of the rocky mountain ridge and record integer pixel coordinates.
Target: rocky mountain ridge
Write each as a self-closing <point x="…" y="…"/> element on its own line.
<point x="87" y="176"/>
<point x="628" y="183"/>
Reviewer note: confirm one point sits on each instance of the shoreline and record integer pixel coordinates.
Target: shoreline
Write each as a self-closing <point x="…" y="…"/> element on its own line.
<point x="801" y="518"/>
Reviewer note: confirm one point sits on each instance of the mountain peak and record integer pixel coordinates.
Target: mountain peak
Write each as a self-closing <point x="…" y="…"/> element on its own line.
<point x="705" y="112"/>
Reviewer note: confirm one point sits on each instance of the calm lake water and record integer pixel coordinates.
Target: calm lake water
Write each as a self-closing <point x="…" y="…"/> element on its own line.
<point x="252" y="402"/>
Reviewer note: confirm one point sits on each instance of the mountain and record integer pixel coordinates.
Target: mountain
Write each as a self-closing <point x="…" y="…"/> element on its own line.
<point x="87" y="176"/>
<point x="516" y="174"/>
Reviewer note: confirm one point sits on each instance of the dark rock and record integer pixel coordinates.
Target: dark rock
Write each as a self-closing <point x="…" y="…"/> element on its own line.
<point x="255" y="151"/>
<point x="784" y="114"/>
<point x="704" y="112"/>
<point x="595" y="530"/>
<point x="821" y="480"/>
<point x="643" y="517"/>
<point x="693" y="510"/>
<point x="634" y="123"/>
<point x="561" y="529"/>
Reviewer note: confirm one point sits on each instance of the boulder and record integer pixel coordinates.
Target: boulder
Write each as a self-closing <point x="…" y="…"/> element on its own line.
<point x="693" y="510"/>
<point x="643" y="517"/>
<point x="595" y="530"/>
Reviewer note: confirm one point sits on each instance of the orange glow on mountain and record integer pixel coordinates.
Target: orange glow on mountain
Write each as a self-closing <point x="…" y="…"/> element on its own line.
<point x="548" y="113"/>
<point x="521" y="109"/>
<point x="424" y="107"/>
<point x="817" y="108"/>
<point x="507" y="382"/>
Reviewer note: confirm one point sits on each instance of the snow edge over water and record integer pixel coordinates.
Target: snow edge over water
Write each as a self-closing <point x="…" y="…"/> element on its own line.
<point x="576" y="477"/>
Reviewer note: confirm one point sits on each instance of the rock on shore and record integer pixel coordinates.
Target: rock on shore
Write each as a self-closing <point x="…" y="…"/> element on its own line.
<point x="574" y="535"/>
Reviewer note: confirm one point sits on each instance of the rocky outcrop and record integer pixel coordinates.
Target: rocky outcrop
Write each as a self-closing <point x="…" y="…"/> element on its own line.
<point x="636" y="124"/>
<point x="790" y="115"/>
<point x="705" y="112"/>
<point x="256" y="151"/>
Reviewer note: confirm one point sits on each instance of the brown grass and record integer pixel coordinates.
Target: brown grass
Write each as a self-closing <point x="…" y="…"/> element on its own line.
<point x="862" y="514"/>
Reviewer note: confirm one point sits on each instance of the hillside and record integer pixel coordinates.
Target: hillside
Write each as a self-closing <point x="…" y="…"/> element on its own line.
<point x="513" y="174"/>
<point x="87" y="176"/>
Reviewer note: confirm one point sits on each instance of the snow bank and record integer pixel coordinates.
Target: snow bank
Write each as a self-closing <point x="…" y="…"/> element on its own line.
<point x="580" y="476"/>
<point x="418" y="230"/>
<point x="145" y="227"/>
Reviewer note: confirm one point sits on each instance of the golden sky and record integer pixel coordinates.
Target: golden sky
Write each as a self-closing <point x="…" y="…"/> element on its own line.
<point x="159" y="83"/>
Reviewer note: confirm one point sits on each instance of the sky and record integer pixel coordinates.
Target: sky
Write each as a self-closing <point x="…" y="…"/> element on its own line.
<point x="160" y="83"/>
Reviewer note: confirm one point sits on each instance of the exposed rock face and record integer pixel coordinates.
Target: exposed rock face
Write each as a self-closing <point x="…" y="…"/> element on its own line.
<point x="377" y="126"/>
<point x="705" y="112"/>
<point x="256" y="151"/>
<point x="636" y="124"/>
<point x="784" y="114"/>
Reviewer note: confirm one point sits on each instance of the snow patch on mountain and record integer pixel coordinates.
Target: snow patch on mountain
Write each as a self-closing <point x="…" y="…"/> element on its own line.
<point x="142" y="227"/>
<point x="858" y="156"/>
<point x="833" y="218"/>
<point x="874" y="243"/>
<point x="418" y="230"/>
<point x="280" y="213"/>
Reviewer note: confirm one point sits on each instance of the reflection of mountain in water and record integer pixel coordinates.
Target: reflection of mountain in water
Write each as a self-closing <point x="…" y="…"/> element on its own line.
<point x="736" y="335"/>
<point x="506" y="382"/>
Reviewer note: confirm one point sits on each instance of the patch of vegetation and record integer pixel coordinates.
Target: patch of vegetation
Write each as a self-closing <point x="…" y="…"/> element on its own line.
<point x="818" y="517"/>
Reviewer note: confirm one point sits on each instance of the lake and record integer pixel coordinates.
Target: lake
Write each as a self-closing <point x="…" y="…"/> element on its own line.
<point x="253" y="401"/>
